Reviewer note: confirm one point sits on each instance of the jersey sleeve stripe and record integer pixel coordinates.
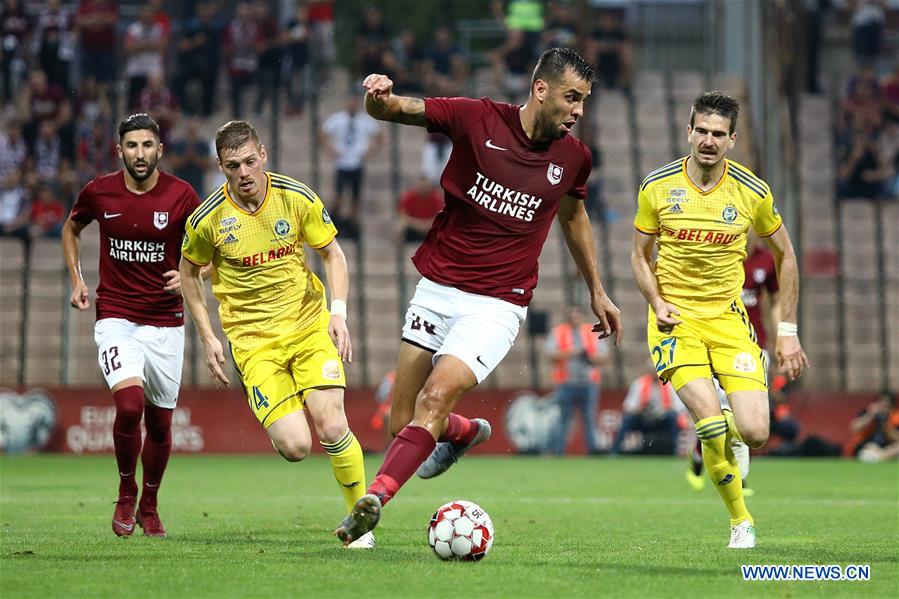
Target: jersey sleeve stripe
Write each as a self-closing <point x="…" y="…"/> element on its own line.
<point x="205" y="211"/>
<point x="294" y="185"/>
<point x="750" y="176"/>
<point x="295" y="190"/>
<point x="662" y="175"/>
<point x="773" y="231"/>
<point x="646" y="231"/>
<point x="320" y="246"/>
<point x="290" y="181"/>
<point x="220" y="193"/>
<point x="663" y="168"/>
<point x="752" y="186"/>
<point x="192" y="261"/>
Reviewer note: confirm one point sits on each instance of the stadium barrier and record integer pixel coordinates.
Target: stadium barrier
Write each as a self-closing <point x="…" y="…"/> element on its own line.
<point x="208" y="421"/>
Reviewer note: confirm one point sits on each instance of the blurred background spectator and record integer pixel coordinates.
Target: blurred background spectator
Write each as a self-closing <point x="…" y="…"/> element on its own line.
<point x="296" y="80"/>
<point x="875" y="431"/>
<point x="47" y="213"/>
<point x="417" y="208"/>
<point x="351" y="138"/>
<point x="95" y="23"/>
<point x="241" y="43"/>
<point x="371" y="43"/>
<point x="145" y="44"/>
<point x="54" y="44"/>
<point x="610" y="49"/>
<point x="198" y="60"/>
<point x="577" y="356"/>
<point x="15" y="28"/>
<point x="652" y="408"/>
<point x="444" y="67"/>
<point x="189" y="157"/>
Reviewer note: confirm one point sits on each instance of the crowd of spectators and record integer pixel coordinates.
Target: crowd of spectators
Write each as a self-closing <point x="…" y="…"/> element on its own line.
<point x="868" y="118"/>
<point x="71" y="70"/>
<point x="69" y="74"/>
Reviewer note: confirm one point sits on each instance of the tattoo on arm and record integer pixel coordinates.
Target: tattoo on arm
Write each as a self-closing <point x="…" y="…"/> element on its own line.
<point x="412" y="112"/>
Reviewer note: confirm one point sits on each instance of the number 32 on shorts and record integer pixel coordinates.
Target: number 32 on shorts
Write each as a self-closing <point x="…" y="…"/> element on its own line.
<point x="663" y="354"/>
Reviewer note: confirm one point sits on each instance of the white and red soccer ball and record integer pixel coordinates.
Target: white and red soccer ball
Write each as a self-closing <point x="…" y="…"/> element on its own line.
<point x="460" y="531"/>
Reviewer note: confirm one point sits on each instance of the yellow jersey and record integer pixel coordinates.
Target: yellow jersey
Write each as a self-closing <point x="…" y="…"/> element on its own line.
<point x="261" y="280"/>
<point x="702" y="235"/>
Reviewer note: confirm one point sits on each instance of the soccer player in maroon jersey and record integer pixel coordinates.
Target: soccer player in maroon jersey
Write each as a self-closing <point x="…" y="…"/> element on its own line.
<point x="511" y="171"/>
<point x="139" y="331"/>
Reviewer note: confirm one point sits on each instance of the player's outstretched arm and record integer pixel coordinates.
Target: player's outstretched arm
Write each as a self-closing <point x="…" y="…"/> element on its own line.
<point x="195" y="298"/>
<point x="382" y="104"/>
<point x="790" y="357"/>
<point x="337" y="273"/>
<point x="71" y="242"/>
<point x="579" y="238"/>
<point x="641" y="264"/>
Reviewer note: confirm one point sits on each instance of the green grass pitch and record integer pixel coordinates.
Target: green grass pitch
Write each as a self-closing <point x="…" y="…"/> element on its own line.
<point x="260" y="527"/>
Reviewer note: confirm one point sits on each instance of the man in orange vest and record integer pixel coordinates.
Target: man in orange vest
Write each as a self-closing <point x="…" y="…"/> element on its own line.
<point x="650" y="406"/>
<point x="577" y="354"/>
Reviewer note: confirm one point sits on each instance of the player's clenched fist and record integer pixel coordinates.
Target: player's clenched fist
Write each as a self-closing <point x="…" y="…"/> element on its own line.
<point x="378" y="87"/>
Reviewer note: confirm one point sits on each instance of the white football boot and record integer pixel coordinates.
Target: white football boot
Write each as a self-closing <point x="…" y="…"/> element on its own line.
<point x="742" y="536"/>
<point x="366" y="541"/>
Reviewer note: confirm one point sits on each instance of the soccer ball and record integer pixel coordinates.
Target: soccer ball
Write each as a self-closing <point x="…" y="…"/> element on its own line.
<point x="460" y="531"/>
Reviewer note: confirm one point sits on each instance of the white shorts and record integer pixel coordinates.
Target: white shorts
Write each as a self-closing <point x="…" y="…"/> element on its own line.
<point x="477" y="329"/>
<point x="153" y="354"/>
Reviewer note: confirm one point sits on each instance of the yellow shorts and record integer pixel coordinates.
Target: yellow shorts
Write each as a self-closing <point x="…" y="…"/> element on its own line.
<point x="723" y="347"/>
<point x="277" y="376"/>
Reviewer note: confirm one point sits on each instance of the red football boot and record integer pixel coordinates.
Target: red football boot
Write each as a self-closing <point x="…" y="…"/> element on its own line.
<point x="148" y="518"/>
<point x="123" y="517"/>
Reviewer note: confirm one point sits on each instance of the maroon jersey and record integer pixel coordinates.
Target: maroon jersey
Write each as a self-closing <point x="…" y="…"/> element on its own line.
<point x="140" y="239"/>
<point x="501" y="194"/>
<point x="760" y="274"/>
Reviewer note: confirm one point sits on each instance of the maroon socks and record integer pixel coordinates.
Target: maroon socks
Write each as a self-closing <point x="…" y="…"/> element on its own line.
<point x="459" y="430"/>
<point x="157" y="448"/>
<point x="409" y="449"/>
<point x="126" y="435"/>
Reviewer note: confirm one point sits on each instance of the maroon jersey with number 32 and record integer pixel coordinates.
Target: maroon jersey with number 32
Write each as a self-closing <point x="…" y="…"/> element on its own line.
<point x="140" y="239"/>
<point x="502" y="192"/>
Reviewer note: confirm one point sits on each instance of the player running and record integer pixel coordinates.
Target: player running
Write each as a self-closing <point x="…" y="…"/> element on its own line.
<point x="512" y="169"/>
<point x="287" y="347"/>
<point x="760" y="278"/>
<point x="699" y="209"/>
<point x="139" y="331"/>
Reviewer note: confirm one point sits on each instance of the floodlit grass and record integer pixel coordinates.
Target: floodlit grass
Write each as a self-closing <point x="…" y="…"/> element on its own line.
<point x="260" y="527"/>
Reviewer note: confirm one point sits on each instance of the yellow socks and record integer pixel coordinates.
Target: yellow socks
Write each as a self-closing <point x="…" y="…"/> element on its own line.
<point x="349" y="469"/>
<point x="722" y="466"/>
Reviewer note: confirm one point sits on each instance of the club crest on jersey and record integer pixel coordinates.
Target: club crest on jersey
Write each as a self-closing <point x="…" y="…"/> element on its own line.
<point x="331" y="370"/>
<point x="729" y="214"/>
<point x="744" y="362"/>
<point x="282" y="228"/>
<point x="160" y="220"/>
<point x="554" y="173"/>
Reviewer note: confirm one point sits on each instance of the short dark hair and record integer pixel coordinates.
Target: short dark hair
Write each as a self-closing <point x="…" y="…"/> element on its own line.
<point x="138" y="122"/>
<point x="717" y="103"/>
<point x="554" y="62"/>
<point x="234" y="134"/>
